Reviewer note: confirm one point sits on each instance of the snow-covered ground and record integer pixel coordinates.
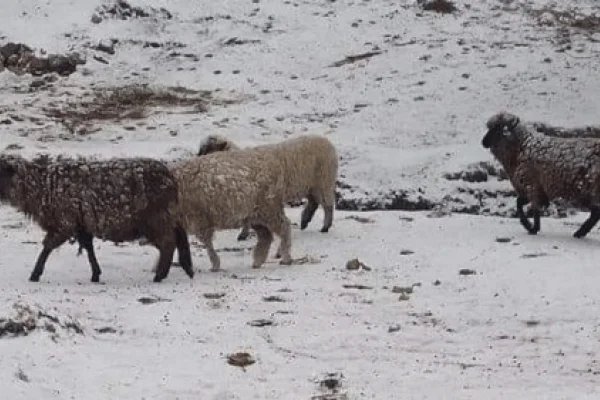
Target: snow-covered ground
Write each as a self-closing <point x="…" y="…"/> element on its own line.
<point x="524" y="326"/>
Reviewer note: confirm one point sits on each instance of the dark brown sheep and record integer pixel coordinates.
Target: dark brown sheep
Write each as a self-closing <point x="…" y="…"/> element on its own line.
<point x="120" y="200"/>
<point x="542" y="168"/>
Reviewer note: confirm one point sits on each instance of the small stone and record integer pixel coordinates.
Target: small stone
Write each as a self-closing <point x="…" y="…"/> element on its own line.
<point x="393" y="328"/>
<point x="95" y="19"/>
<point x="260" y="323"/>
<point x="402" y="289"/>
<point x="353" y="264"/>
<point x="437" y="282"/>
<point x="106" y="329"/>
<point x="271" y="299"/>
<point x="242" y="359"/>
<point x="404" y="297"/>
<point x="106" y="46"/>
<point x="503" y="239"/>
<point x="214" y="296"/>
<point x="406" y="252"/>
<point x="466" y="271"/>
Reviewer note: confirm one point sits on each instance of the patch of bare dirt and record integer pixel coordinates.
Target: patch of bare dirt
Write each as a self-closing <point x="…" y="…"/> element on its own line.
<point x="132" y="102"/>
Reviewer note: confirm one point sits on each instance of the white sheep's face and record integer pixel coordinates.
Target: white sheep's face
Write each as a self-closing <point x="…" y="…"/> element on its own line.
<point x="7" y="172"/>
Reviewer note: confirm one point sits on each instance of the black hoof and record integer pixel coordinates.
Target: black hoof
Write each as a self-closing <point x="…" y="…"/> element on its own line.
<point x="190" y="273"/>
<point x="579" y="235"/>
<point x="303" y="226"/>
<point x="324" y="230"/>
<point x="96" y="279"/>
<point x="532" y="232"/>
<point x="242" y="237"/>
<point x="34" y="278"/>
<point x="158" y="279"/>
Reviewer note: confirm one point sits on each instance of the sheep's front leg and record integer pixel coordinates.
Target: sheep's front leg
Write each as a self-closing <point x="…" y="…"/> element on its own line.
<point x="263" y="243"/>
<point x="165" y="258"/>
<point x="521" y="201"/>
<point x="589" y="223"/>
<point x="283" y="229"/>
<point x="207" y="239"/>
<point x="535" y="209"/>
<point x="244" y="233"/>
<point x="52" y="241"/>
<point x="86" y="240"/>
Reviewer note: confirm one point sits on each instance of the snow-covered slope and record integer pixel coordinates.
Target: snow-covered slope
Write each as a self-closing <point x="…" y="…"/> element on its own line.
<point x="405" y="110"/>
<point x="401" y="118"/>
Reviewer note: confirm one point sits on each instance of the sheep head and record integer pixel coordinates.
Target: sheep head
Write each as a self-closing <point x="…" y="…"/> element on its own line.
<point x="500" y="127"/>
<point x="214" y="143"/>
<point x="8" y="169"/>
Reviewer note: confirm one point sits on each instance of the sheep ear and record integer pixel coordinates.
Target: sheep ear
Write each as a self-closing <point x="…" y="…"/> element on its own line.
<point x="514" y="122"/>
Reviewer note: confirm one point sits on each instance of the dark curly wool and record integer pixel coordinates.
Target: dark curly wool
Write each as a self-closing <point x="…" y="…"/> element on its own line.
<point x="542" y="168"/>
<point x="121" y="199"/>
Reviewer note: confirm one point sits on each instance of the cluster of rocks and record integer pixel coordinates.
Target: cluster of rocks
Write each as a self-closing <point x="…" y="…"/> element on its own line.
<point x="21" y="59"/>
<point x="122" y="10"/>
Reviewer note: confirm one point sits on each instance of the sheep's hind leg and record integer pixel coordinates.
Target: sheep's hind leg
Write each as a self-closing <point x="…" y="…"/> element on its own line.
<point x="52" y="241"/>
<point x="309" y="211"/>
<point x="589" y="223"/>
<point x="261" y="249"/>
<point x="85" y="240"/>
<point x="183" y="250"/>
<point x="536" y="221"/>
<point x="328" y="205"/>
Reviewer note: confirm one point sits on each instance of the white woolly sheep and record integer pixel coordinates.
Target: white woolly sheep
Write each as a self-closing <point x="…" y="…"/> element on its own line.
<point x="122" y="199"/>
<point x="543" y="168"/>
<point x="227" y="191"/>
<point x="310" y="167"/>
